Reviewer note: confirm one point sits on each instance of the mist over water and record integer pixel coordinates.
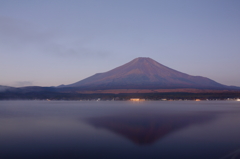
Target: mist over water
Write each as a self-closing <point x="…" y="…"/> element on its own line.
<point x="107" y="129"/>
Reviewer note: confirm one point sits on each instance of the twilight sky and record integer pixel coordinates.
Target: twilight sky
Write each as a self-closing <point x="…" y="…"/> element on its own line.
<point x="53" y="42"/>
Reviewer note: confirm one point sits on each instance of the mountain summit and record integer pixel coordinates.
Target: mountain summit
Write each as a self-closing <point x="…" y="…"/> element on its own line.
<point x="145" y="73"/>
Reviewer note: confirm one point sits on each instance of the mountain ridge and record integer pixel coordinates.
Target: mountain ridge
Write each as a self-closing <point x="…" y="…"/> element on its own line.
<point x="145" y="73"/>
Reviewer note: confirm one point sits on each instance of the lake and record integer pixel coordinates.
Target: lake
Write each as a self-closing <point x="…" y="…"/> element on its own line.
<point x="119" y="129"/>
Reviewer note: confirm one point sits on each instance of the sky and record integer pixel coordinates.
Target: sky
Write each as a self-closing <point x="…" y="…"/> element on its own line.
<point x="54" y="42"/>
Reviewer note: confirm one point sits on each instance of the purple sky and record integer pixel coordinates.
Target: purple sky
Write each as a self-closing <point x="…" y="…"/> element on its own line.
<point x="53" y="42"/>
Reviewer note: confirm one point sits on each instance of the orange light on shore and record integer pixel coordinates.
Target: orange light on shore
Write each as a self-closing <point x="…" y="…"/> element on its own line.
<point x="136" y="99"/>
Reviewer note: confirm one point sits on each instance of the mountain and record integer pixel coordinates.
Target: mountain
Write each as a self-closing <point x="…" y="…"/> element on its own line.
<point x="139" y="78"/>
<point x="26" y="89"/>
<point x="4" y="88"/>
<point x="145" y="73"/>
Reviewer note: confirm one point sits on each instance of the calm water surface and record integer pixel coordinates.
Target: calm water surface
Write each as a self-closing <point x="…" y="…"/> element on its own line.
<point x="119" y="130"/>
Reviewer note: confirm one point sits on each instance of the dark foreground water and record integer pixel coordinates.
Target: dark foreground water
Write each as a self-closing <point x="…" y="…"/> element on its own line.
<point x="119" y="130"/>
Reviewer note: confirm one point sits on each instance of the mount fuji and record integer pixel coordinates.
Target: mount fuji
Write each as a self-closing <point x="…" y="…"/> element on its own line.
<point x="145" y="73"/>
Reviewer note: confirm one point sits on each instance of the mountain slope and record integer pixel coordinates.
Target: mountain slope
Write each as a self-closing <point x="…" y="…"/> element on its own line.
<point x="144" y="73"/>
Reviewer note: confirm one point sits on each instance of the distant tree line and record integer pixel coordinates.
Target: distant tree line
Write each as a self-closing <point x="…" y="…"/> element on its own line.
<point x="121" y="96"/>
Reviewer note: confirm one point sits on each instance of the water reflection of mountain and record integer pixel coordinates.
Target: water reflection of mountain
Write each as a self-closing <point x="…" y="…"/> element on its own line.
<point x="146" y="129"/>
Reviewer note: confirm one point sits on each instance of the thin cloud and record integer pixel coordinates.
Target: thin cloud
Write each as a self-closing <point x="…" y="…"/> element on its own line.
<point x="21" y="37"/>
<point x="23" y="83"/>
